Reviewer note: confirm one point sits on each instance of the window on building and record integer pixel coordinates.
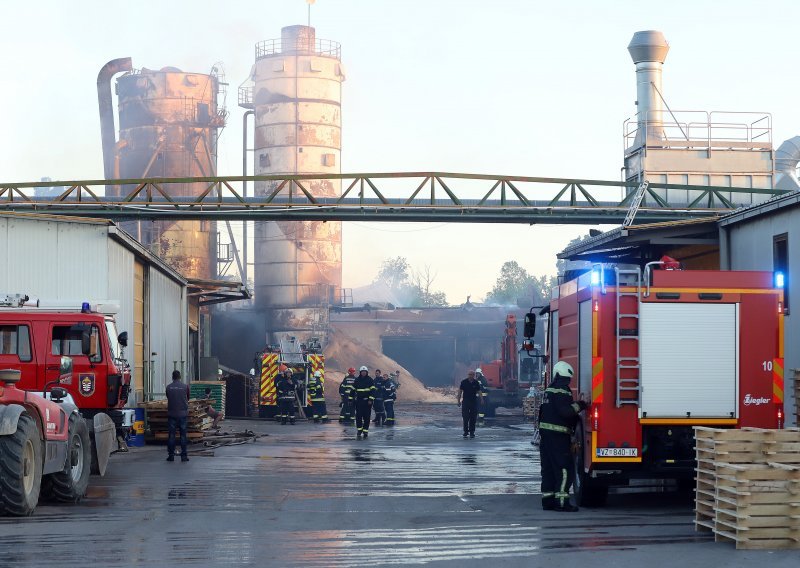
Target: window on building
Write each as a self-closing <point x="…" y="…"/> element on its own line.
<point x="780" y="263"/>
<point x="15" y="340"/>
<point x="67" y="341"/>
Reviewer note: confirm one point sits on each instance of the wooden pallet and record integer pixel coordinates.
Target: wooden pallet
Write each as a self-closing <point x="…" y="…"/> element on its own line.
<point x="758" y="505"/>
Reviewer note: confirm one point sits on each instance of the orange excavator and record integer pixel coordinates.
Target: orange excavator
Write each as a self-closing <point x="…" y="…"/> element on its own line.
<point x="509" y="378"/>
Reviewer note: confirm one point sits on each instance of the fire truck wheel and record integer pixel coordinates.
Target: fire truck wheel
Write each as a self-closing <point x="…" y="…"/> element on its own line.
<point x="588" y="491"/>
<point x="20" y="469"/>
<point x="70" y="484"/>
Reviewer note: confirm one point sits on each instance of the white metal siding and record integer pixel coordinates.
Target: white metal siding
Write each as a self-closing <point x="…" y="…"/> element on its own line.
<point x="167" y="328"/>
<point x="120" y="289"/>
<point x="690" y="359"/>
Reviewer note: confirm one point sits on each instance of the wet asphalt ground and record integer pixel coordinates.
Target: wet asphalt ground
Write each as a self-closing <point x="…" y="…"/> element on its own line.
<point x="313" y="496"/>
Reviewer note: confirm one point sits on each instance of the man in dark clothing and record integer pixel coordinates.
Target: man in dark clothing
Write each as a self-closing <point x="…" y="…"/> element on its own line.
<point x="558" y="416"/>
<point x="348" y="411"/>
<point x="390" y="397"/>
<point x="468" y="394"/>
<point x="364" y="389"/>
<point x="317" y="393"/>
<point x="286" y="390"/>
<point x="380" y="397"/>
<point x="177" y="415"/>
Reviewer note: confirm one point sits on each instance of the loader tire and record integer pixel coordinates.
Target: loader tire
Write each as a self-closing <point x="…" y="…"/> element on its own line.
<point x="70" y="484"/>
<point x="20" y="469"/>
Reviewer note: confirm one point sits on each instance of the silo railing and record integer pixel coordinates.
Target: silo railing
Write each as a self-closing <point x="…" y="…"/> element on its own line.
<point x="302" y="46"/>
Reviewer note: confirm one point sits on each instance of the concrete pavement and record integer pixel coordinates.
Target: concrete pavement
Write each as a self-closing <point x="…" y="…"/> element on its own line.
<point x="311" y="495"/>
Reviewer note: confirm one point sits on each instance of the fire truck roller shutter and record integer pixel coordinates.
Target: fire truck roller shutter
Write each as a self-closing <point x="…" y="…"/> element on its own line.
<point x="584" y="382"/>
<point x="690" y="360"/>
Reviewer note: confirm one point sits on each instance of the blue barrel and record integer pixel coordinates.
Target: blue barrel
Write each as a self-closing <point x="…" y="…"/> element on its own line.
<point x="137" y="432"/>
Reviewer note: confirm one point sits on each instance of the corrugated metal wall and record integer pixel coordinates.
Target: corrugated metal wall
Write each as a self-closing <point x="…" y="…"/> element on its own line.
<point x="121" y="289"/>
<point x="62" y="261"/>
<point x="167" y="329"/>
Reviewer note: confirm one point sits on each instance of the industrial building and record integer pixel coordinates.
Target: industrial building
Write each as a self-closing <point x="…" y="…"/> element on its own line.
<point x="74" y="260"/>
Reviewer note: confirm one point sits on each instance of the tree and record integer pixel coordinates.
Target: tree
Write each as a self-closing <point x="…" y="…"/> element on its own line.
<point x="413" y="287"/>
<point x="561" y="264"/>
<point x="515" y="283"/>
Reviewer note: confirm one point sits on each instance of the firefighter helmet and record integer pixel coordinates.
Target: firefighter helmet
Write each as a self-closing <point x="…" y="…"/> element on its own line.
<point x="563" y="369"/>
<point x="318" y="374"/>
<point x="363" y="368"/>
<point x="351" y="371"/>
<point x="478" y="370"/>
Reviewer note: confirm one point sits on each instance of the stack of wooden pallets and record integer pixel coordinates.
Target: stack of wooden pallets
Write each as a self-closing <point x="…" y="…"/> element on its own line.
<point x="748" y="486"/>
<point x="797" y="395"/>
<point x="156" y="428"/>
<point x="197" y="389"/>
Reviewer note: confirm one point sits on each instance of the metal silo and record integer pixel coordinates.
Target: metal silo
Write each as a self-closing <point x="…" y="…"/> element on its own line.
<point x="168" y="123"/>
<point x="296" y="95"/>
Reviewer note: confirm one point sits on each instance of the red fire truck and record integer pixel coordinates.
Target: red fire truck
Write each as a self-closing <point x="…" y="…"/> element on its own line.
<point x="659" y="351"/>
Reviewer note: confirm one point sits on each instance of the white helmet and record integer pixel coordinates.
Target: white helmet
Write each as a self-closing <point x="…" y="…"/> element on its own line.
<point x="318" y="374"/>
<point x="478" y="370"/>
<point x="563" y="369"/>
<point x="363" y="368"/>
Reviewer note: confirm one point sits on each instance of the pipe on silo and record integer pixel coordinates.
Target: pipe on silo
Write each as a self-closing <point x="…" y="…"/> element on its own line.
<point x="787" y="157"/>
<point x="649" y="49"/>
<point x="105" y="102"/>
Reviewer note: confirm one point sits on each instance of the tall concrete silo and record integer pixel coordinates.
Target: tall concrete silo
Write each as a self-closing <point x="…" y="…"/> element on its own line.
<point x="296" y="96"/>
<point x="168" y="124"/>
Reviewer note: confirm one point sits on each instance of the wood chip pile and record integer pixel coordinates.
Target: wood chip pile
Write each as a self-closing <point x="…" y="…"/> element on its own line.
<point x="748" y="486"/>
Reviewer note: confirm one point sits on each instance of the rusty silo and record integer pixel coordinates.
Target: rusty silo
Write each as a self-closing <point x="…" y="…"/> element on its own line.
<point x="168" y="124"/>
<point x="296" y="96"/>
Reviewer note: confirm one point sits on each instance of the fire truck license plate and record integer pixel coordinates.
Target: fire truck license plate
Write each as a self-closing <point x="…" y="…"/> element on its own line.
<point x="617" y="452"/>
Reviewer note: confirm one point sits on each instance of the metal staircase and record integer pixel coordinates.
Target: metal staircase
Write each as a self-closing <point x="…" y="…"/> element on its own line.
<point x="629" y="365"/>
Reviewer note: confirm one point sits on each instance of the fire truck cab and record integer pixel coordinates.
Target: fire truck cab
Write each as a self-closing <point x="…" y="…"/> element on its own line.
<point x="658" y="351"/>
<point x="34" y="335"/>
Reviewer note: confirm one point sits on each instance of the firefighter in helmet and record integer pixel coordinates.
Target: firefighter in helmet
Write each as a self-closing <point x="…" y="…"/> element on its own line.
<point x="483" y="396"/>
<point x="364" y="389"/>
<point x="317" y="394"/>
<point x="558" y="416"/>
<point x="287" y="395"/>
<point x="347" y="405"/>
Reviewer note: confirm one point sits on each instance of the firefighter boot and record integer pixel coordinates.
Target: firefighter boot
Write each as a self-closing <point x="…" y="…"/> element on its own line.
<point x="567" y="508"/>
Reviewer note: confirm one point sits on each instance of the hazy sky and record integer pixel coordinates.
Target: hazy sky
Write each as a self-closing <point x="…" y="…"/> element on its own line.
<point x="494" y="86"/>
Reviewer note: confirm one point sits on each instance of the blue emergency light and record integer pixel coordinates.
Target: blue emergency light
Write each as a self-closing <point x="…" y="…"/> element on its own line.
<point x="86" y="308"/>
<point x="780" y="279"/>
<point x="595" y="277"/>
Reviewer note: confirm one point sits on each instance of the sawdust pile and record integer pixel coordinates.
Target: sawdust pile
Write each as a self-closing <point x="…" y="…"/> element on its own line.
<point x="344" y="351"/>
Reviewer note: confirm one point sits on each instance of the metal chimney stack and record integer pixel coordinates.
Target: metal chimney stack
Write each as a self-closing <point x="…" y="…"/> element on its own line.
<point x="648" y="50"/>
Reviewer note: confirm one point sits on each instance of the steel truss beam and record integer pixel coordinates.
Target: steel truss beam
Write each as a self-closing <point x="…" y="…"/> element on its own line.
<point x="410" y="196"/>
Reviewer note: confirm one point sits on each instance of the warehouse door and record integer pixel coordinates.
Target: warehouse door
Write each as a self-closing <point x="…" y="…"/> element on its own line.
<point x="138" y="329"/>
<point x="690" y="360"/>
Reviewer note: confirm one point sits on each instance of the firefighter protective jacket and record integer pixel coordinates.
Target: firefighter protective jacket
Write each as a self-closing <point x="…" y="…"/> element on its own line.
<point x="315" y="390"/>
<point x="391" y="390"/>
<point x="559" y="412"/>
<point x="364" y="388"/>
<point x="346" y="388"/>
<point x="381" y="390"/>
<point x="286" y="388"/>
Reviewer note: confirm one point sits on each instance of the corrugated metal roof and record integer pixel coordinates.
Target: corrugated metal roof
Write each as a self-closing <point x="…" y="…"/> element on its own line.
<point x="745" y="213"/>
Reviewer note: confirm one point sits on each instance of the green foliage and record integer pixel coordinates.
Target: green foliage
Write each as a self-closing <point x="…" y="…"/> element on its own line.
<point x="515" y="284"/>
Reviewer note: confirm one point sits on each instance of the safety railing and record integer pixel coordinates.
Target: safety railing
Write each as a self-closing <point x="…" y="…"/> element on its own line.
<point x="698" y="130"/>
<point x="302" y="46"/>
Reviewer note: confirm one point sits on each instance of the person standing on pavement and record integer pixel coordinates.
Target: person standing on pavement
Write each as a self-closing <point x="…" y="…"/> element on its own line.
<point x="287" y="393"/>
<point x="558" y="416"/>
<point x="388" y="402"/>
<point x="177" y="416"/>
<point x="468" y="394"/>
<point x="317" y="393"/>
<point x="380" y="397"/>
<point x="347" y="405"/>
<point x="364" y="389"/>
